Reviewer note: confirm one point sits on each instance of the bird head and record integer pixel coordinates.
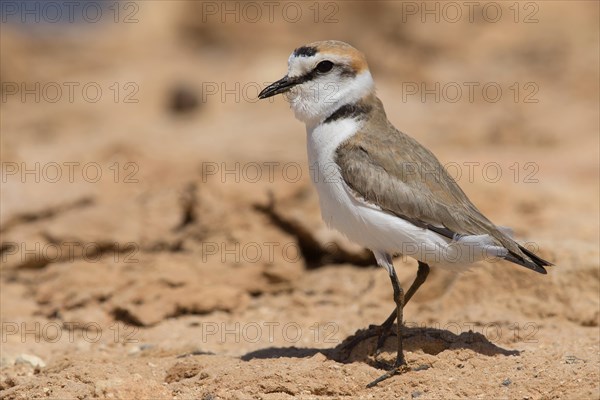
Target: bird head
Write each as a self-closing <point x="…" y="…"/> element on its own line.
<point x="322" y="77"/>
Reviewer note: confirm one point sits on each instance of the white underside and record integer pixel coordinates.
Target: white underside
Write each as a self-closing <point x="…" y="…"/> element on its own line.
<point x="369" y="226"/>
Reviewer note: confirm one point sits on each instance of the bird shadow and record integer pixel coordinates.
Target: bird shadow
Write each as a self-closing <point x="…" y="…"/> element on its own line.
<point x="360" y="347"/>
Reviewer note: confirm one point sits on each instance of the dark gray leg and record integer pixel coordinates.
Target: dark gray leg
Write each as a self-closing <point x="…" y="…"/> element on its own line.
<point x="383" y="331"/>
<point x="400" y="363"/>
<point x="386" y="327"/>
<point x="399" y="300"/>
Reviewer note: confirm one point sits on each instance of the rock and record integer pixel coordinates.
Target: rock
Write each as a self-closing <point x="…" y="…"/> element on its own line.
<point x="30" y="359"/>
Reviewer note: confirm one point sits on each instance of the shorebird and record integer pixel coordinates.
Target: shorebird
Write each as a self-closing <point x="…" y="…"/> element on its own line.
<point x="379" y="186"/>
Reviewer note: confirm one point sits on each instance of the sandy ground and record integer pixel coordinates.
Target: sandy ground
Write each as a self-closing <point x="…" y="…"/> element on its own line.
<point x="163" y="239"/>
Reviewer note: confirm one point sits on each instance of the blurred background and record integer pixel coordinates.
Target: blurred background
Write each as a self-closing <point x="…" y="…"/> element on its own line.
<point x="152" y="207"/>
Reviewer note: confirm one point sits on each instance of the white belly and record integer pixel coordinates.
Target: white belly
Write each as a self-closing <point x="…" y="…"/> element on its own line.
<point x="369" y="226"/>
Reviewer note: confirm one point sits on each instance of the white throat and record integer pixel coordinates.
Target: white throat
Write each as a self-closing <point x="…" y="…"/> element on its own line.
<point x="313" y="103"/>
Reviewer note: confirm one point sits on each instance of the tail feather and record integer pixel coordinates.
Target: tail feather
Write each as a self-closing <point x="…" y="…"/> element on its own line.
<point x="535" y="263"/>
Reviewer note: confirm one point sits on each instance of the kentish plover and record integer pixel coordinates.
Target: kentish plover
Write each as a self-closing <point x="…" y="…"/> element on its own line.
<point x="379" y="186"/>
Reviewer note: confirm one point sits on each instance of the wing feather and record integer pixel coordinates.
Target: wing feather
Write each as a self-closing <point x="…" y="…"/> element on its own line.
<point x="401" y="176"/>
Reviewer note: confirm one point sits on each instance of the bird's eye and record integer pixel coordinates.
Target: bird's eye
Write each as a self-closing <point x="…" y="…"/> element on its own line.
<point x="324" y="66"/>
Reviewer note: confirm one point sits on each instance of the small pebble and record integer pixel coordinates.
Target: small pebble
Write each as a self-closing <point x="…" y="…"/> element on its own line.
<point x="139" y="348"/>
<point x="421" y="367"/>
<point x="506" y="382"/>
<point x="416" y="394"/>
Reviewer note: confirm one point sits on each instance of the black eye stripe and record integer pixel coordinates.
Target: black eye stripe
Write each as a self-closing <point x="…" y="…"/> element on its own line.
<point x="345" y="71"/>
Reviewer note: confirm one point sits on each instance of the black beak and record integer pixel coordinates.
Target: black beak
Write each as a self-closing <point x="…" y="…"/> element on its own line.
<point x="281" y="86"/>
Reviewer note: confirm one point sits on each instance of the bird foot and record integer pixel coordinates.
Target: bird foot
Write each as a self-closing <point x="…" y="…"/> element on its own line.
<point x="396" y="370"/>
